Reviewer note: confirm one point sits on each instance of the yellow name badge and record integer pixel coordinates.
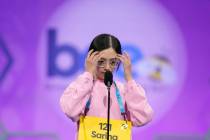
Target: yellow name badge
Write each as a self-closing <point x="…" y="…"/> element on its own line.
<point x="94" y="128"/>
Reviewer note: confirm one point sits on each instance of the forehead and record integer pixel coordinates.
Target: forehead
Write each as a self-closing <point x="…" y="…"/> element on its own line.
<point x="108" y="53"/>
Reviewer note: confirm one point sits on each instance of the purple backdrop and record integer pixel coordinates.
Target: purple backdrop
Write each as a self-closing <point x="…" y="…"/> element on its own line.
<point x="27" y="97"/>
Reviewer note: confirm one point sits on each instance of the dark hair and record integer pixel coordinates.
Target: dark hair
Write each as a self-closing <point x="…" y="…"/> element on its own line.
<point x="105" y="41"/>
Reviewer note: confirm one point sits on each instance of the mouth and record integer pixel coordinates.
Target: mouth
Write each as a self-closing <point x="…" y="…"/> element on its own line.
<point x="102" y="74"/>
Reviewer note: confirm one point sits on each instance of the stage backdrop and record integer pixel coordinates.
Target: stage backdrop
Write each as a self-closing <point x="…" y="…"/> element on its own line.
<point x="43" y="45"/>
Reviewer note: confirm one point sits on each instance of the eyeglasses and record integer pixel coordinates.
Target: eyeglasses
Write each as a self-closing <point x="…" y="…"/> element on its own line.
<point x="112" y="63"/>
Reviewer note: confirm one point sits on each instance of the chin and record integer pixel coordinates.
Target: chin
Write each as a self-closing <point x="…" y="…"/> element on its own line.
<point x="101" y="78"/>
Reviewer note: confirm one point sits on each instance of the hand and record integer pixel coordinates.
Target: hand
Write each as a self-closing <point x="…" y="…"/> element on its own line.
<point x="125" y="59"/>
<point x="90" y="61"/>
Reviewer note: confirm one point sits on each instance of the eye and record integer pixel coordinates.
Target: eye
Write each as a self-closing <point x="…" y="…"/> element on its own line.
<point x="113" y="62"/>
<point x="100" y="62"/>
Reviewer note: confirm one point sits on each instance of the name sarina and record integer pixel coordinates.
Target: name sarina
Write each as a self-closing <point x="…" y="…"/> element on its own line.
<point x="94" y="134"/>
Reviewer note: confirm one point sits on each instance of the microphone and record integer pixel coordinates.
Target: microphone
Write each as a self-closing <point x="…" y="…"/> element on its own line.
<point x="108" y="78"/>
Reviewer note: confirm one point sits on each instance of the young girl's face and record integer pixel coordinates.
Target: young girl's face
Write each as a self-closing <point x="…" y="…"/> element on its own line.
<point x="107" y="62"/>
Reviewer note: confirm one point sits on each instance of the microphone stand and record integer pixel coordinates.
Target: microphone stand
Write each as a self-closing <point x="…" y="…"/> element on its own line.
<point x="108" y="113"/>
<point x="108" y="79"/>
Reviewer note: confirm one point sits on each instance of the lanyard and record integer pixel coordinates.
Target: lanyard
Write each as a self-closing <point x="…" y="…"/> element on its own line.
<point x="119" y="99"/>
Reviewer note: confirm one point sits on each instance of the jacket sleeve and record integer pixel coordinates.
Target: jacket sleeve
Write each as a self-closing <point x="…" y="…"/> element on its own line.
<point x="138" y="108"/>
<point x="76" y="95"/>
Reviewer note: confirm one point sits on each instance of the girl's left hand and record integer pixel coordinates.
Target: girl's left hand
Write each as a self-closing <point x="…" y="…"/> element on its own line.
<point x="125" y="59"/>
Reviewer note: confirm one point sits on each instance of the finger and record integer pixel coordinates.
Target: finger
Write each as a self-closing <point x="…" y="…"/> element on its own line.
<point x="90" y="52"/>
<point x="102" y="54"/>
<point x="97" y="57"/>
<point x="93" y="54"/>
<point x="121" y="58"/>
<point x="119" y="55"/>
<point x="125" y="59"/>
<point x="127" y="55"/>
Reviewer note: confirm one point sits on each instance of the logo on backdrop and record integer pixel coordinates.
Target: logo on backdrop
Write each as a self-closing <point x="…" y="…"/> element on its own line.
<point x="157" y="68"/>
<point x="55" y="52"/>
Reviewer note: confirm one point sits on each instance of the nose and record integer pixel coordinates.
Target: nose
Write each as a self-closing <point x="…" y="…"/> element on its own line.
<point x="107" y="67"/>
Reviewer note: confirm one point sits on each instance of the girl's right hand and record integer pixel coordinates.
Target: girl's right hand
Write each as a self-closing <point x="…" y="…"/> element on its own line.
<point x="91" y="61"/>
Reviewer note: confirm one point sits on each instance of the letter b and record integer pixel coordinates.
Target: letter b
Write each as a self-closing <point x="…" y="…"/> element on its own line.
<point x="55" y="51"/>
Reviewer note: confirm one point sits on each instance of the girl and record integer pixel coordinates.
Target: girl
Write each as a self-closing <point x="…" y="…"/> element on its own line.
<point x="105" y="55"/>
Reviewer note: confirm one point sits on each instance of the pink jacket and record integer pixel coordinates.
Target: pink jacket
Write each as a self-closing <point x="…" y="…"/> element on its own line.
<point x="77" y="94"/>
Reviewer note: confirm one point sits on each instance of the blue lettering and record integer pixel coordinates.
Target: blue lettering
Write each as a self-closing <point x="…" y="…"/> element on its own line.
<point x="55" y="51"/>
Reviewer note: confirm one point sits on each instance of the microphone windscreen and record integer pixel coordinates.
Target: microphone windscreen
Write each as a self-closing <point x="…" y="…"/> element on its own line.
<point x="108" y="78"/>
